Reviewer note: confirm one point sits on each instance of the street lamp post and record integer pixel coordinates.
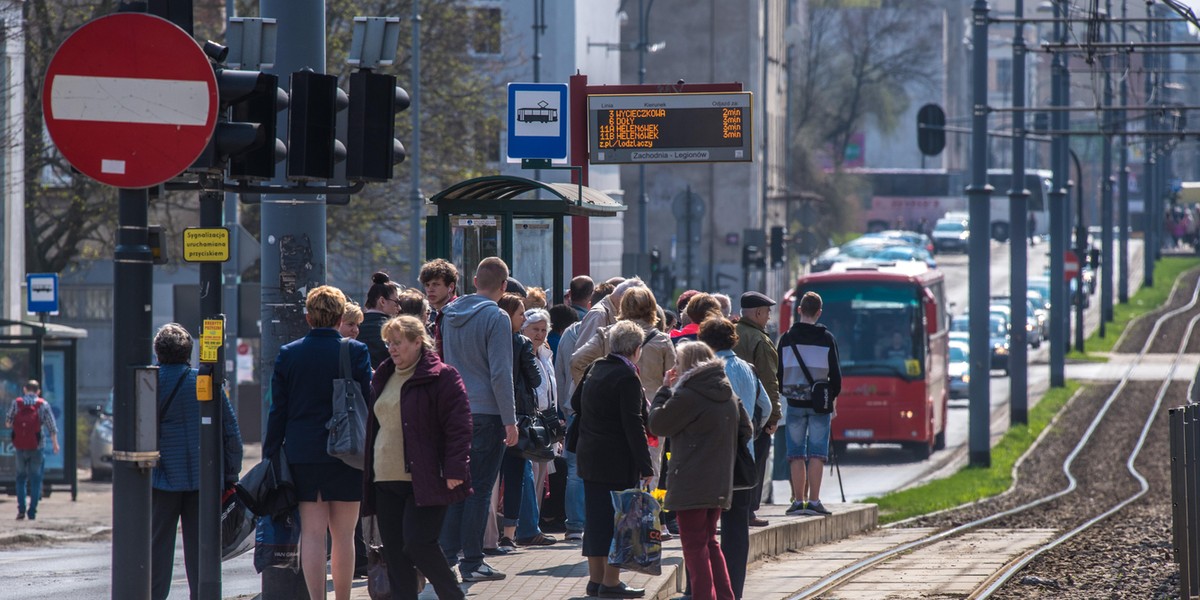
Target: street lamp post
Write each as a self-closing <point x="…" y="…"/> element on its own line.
<point x="643" y="47"/>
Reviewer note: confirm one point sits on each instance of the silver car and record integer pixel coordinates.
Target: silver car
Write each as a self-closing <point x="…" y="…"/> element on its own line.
<point x="100" y="443"/>
<point x="959" y="369"/>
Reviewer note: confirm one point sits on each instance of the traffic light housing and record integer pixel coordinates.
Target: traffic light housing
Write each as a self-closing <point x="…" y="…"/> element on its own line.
<point x="313" y="148"/>
<point x="372" y="147"/>
<point x="931" y="130"/>
<point x="260" y="108"/>
<point x="778" y="245"/>
<point x="234" y="138"/>
<point x="655" y="261"/>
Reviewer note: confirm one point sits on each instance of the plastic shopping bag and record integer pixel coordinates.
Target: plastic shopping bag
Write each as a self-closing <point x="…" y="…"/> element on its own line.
<point x="237" y="526"/>
<point x="277" y="542"/>
<point x="637" y="535"/>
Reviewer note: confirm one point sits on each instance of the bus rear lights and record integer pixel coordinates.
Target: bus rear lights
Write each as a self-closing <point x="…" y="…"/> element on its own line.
<point x="906" y="414"/>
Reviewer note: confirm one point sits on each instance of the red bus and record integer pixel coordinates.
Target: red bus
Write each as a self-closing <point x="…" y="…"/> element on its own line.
<point x="891" y="326"/>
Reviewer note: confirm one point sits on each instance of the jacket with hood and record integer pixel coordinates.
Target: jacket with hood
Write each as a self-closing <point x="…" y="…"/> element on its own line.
<point x="477" y="340"/>
<point x="819" y="349"/>
<point x="705" y="421"/>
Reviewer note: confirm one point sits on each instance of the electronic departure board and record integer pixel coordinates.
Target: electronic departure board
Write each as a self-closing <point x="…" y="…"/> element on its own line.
<point x="649" y="128"/>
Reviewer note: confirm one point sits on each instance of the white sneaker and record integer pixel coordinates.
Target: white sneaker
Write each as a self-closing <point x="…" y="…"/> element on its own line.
<point x="574" y="536"/>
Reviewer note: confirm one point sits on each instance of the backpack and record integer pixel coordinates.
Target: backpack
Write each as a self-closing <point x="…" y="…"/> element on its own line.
<point x="27" y="425"/>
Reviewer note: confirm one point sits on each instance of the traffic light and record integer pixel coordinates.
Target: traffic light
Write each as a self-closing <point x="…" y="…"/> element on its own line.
<point x="234" y="138"/>
<point x="777" y="246"/>
<point x="655" y="261"/>
<point x="752" y="257"/>
<point x="258" y="163"/>
<point x="931" y="130"/>
<point x="372" y="147"/>
<point x="313" y="148"/>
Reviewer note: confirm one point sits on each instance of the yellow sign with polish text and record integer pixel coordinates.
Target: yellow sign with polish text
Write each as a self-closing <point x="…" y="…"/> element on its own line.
<point x="206" y="244"/>
<point x="212" y="338"/>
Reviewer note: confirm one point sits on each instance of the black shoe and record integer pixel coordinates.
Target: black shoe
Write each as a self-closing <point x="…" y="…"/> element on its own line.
<point x="20" y="515"/>
<point x="620" y="591"/>
<point x="540" y="539"/>
<point x="32" y="514"/>
<point x="507" y="542"/>
<point x="501" y="551"/>
<point x="593" y="588"/>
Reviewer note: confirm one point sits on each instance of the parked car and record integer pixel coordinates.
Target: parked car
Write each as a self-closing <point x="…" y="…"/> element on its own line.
<point x="951" y="235"/>
<point x="100" y="443"/>
<point x="960" y="369"/>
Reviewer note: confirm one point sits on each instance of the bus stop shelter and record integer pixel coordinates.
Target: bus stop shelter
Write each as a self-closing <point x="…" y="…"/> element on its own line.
<point x="46" y="352"/>
<point x="517" y="219"/>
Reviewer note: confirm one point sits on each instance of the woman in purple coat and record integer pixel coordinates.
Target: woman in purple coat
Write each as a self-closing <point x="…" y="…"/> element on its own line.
<point x="418" y="441"/>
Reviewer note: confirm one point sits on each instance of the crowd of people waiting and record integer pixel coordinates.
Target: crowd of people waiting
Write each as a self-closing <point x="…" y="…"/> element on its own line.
<point x="662" y="399"/>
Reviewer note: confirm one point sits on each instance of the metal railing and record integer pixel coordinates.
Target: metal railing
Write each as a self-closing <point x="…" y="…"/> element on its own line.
<point x="1184" y="425"/>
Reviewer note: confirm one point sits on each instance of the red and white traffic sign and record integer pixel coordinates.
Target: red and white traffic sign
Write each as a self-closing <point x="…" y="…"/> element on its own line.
<point x="1070" y="265"/>
<point x="130" y="100"/>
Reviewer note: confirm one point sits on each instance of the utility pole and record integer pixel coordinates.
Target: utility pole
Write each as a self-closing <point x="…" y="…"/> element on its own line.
<point x="979" y="200"/>
<point x="211" y="414"/>
<point x="1105" y="271"/>
<point x="1059" y="122"/>
<point x="1123" y="173"/>
<point x="414" y="156"/>
<point x="1018" y="209"/>
<point x="1150" y="225"/>
<point x="293" y="234"/>
<point x="643" y="48"/>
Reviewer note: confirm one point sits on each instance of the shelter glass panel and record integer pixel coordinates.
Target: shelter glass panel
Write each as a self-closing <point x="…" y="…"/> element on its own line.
<point x="533" y="253"/>
<point x="472" y="239"/>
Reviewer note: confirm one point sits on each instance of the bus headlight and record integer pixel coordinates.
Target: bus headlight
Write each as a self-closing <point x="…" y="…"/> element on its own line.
<point x="966" y="378"/>
<point x="1001" y="349"/>
<point x="906" y="414"/>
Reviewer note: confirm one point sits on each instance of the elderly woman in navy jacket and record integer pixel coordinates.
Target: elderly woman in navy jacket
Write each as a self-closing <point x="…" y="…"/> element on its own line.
<point x="328" y="489"/>
<point x="418" y="443"/>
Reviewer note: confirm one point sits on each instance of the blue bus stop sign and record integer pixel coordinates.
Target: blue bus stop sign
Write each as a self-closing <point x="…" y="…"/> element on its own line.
<point x="537" y="121"/>
<point x="41" y="293"/>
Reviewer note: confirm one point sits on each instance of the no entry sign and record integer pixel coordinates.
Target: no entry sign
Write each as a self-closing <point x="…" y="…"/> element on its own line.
<point x="130" y="100"/>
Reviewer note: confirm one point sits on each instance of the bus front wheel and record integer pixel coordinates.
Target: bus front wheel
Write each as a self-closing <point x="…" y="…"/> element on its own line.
<point x="919" y="450"/>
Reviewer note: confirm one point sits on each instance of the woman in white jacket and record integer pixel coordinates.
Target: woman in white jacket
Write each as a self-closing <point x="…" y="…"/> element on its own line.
<point x="537" y="328"/>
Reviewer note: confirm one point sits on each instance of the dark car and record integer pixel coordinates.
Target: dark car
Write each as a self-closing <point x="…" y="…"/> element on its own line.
<point x="998" y="338"/>
<point x="951" y="234"/>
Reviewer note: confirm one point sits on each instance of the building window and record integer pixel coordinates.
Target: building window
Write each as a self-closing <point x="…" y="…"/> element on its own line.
<point x="484" y="35"/>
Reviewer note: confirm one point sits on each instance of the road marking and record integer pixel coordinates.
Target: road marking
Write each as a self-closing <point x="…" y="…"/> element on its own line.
<point x="129" y="100"/>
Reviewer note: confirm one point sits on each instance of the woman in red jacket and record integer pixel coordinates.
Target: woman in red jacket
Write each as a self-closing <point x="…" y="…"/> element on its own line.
<point x="419" y="428"/>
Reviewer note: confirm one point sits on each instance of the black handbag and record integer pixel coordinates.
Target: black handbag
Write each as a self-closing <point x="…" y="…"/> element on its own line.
<point x="267" y="488"/>
<point x="818" y="392"/>
<point x="744" y="473"/>
<point x="535" y="440"/>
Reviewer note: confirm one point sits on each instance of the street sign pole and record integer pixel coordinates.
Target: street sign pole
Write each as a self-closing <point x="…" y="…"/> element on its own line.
<point x="979" y="199"/>
<point x="211" y="413"/>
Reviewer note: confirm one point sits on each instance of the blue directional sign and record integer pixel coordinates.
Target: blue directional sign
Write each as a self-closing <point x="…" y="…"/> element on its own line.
<point x="41" y="292"/>
<point x="537" y="121"/>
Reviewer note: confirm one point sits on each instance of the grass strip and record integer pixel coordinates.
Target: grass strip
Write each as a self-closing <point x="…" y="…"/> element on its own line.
<point x="1145" y="300"/>
<point x="975" y="483"/>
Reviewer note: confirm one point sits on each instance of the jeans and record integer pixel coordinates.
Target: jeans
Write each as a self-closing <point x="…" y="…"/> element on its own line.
<point x="410" y="542"/>
<point x="574" y="495"/>
<point x="30" y="468"/>
<point x="531" y="515"/>
<point x="512" y="473"/>
<point x="466" y="520"/>
<point x="807" y="433"/>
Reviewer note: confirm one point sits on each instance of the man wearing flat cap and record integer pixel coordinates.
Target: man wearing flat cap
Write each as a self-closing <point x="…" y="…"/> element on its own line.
<point x="755" y="347"/>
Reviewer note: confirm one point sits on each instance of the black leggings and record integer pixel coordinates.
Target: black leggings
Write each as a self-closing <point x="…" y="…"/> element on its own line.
<point x="410" y="542"/>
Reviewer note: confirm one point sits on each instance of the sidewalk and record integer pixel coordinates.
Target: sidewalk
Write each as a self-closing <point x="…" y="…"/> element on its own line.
<point x="560" y="572"/>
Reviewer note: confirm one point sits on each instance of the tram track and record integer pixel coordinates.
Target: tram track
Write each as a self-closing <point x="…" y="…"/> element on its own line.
<point x="1069" y="504"/>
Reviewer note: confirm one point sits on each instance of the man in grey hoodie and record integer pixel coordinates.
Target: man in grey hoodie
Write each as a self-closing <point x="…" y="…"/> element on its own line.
<point x="477" y="341"/>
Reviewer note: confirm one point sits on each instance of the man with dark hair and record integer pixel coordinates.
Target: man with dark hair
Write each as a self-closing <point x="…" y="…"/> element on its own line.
<point x="755" y="347"/>
<point x="440" y="278"/>
<point x="477" y="340"/>
<point x="807" y="430"/>
<point x="581" y="290"/>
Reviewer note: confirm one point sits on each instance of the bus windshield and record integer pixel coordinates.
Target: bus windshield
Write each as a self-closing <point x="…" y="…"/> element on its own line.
<point x="878" y="326"/>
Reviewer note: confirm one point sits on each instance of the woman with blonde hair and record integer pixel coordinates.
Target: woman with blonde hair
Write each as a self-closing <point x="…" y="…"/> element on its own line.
<point x="328" y="489"/>
<point x="352" y="317"/>
<point x="697" y="409"/>
<point x="418" y="441"/>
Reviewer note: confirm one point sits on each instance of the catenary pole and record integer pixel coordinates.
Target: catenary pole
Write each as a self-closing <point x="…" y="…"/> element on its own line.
<point x="1058" y="307"/>
<point x="1106" y="192"/>
<point x="211" y="456"/>
<point x="414" y="154"/>
<point x="1017" y="218"/>
<point x="1123" y="176"/>
<point x="979" y="200"/>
